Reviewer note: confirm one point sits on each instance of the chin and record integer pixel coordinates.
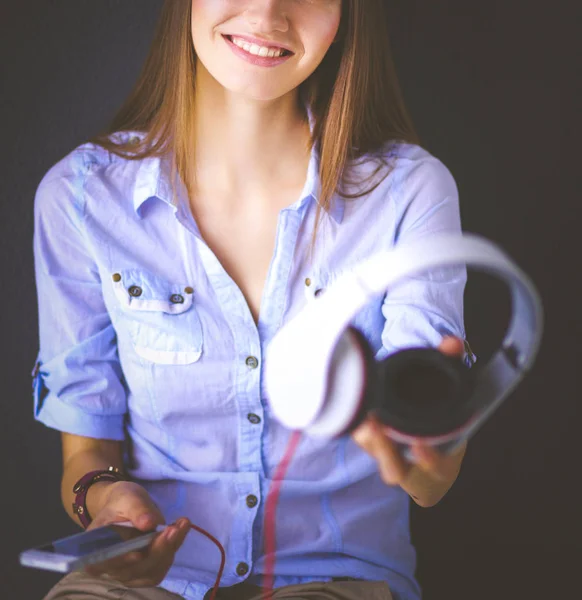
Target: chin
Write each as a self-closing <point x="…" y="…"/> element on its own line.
<point x="262" y="92"/>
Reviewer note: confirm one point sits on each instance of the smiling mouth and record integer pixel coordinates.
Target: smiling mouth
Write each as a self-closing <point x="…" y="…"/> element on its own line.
<point x="260" y="51"/>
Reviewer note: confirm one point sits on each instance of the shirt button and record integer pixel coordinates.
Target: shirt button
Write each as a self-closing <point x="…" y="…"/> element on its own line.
<point x="252" y="501"/>
<point x="318" y="292"/>
<point x="135" y="291"/>
<point x="116" y="277"/>
<point x="242" y="569"/>
<point x="252" y="362"/>
<point x="254" y="419"/>
<point x="177" y="299"/>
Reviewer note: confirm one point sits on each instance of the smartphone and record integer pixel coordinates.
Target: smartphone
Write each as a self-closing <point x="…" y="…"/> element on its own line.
<point x="86" y="548"/>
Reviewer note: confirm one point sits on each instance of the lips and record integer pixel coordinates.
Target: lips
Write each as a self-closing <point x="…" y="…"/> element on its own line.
<point x="253" y="59"/>
<point x="258" y="42"/>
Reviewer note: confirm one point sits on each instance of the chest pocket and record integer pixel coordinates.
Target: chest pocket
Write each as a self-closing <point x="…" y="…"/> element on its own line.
<point x="159" y="315"/>
<point x="369" y="320"/>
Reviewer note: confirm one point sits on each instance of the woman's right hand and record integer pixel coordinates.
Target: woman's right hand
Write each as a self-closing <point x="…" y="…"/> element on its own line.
<point x="127" y="501"/>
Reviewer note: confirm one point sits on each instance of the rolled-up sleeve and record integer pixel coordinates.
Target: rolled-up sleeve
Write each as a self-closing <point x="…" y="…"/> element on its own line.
<point x="420" y="310"/>
<point x="78" y="385"/>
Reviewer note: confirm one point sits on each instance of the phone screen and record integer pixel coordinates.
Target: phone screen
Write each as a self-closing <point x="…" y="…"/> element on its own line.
<point x="87" y="542"/>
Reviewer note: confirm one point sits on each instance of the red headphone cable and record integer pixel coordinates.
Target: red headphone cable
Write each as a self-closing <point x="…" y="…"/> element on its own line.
<point x="270" y="512"/>
<point x="222" y="560"/>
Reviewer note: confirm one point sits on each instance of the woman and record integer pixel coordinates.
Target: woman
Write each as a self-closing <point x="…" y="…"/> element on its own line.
<point x="264" y="150"/>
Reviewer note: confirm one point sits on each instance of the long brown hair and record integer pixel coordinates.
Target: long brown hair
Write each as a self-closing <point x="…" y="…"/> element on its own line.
<point x="354" y="95"/>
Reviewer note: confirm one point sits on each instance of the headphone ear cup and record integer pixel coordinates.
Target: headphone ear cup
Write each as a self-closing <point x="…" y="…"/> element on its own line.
<point x="350" y="378"/>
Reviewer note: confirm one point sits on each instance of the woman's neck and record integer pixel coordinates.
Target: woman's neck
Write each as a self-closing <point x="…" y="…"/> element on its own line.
<point x="245" y="147"/>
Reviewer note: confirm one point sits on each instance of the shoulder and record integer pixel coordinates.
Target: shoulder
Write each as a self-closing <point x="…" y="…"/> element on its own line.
<point x="401" y="183"/>
<point x="62" y="185"/>
<point x="88" y="158"/>
<point x="414" y="170"/>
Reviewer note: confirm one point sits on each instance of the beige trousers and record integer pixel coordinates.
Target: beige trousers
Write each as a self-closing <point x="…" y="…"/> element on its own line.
<point x="81" y="586"/>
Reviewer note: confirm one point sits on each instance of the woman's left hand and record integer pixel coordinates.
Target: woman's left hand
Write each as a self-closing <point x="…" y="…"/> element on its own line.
<point x="394" y="469"/>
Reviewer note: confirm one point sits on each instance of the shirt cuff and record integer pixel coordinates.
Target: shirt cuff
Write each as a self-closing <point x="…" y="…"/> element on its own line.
<point x="53" y="412"/>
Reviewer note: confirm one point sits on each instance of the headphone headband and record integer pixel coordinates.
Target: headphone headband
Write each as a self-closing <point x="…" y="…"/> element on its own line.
<point x="298" y="398"/>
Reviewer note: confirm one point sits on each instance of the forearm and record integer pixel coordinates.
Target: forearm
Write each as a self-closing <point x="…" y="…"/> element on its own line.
<point x="81" y="455"/>
<point x="425" y="489"/>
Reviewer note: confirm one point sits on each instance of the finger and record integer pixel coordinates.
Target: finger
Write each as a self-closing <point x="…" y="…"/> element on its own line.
<point x="143" y="514"/>
<point x="168" y="543"/>
<point x="393" y="468"/>
<point x="121" y="566"/>
<point x="151" y="569"/>
<point x="434" y="463"/>
<point x="362" y="435"/>
<point x="366" y="435"/>
<point x="115" y="565"/>
<point x="155" y="564"/>
<point x="106" y="517"/>
<point x="125" y="567"/>
<point x="452" y="346"/>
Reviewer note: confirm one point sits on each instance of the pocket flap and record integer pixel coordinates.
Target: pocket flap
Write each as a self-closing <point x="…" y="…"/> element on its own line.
<point x="143" y="291"/>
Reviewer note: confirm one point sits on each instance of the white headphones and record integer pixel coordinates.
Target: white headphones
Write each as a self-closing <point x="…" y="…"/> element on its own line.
<point x="339" y="382"/>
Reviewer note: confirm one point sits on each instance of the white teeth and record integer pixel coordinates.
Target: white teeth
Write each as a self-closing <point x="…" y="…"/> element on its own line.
<point x="256" y="50"/>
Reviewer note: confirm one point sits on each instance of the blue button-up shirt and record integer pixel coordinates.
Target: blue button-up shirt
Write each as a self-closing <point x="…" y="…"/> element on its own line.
<point x="145" y="338"/>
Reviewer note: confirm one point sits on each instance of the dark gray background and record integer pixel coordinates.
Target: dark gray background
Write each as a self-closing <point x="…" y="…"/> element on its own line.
<point x="492" y="89"/>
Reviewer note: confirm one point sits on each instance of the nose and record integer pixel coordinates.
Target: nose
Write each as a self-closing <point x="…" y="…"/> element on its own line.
<point x="267" y="15"/>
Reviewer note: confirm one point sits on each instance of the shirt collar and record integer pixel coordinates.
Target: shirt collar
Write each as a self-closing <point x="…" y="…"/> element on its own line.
<point x="153" y="181"/>
<point x="312" y="187"/>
